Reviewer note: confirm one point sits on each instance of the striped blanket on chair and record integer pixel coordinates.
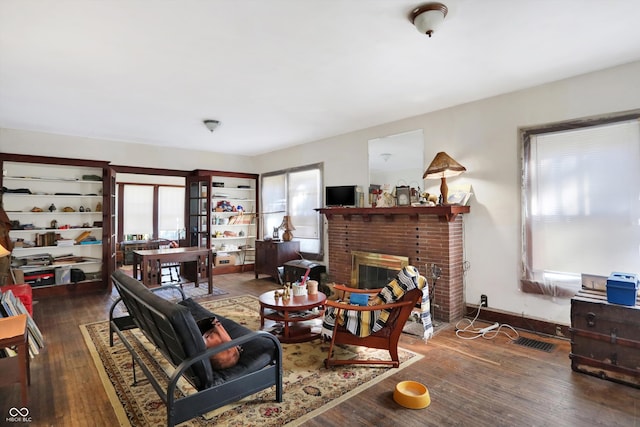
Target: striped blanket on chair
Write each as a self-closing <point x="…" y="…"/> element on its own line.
<point x="364" y="323"/>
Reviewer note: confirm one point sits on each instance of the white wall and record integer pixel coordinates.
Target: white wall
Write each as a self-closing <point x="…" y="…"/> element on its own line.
<point x="119" y="153"/>
<point x="482" y="136"/>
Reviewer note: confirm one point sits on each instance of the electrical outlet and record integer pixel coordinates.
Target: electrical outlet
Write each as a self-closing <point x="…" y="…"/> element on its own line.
<point x="483" y="301"/>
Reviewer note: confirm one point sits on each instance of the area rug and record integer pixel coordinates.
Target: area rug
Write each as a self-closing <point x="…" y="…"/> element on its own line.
<point x="189" y="288"/>
<point x="309" y="388"/>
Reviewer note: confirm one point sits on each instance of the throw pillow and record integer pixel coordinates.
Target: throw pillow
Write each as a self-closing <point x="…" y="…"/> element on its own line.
<point x="215" y="336"/>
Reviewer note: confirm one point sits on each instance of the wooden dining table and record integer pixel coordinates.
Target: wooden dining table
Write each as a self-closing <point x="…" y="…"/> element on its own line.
<point x="149" y="263"/>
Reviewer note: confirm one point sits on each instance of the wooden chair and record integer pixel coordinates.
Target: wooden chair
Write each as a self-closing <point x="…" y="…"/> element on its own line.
<point x="386" y="338"/>
<point x="169" y="272"/>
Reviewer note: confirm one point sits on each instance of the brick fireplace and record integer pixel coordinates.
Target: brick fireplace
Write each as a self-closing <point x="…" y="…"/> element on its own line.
<point x="426" y="235"/>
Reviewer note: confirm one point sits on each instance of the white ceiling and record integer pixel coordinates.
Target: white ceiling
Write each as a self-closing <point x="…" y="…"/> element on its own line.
<point x="278" y="73"/>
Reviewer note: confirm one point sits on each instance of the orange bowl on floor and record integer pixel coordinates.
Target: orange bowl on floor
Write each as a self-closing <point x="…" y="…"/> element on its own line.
<point x="412" y="395"/>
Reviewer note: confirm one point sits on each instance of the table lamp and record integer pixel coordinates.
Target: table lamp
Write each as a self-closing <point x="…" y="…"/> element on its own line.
<point x="287" y="226"/>
<point x="443" y="166"/>
<point x="5" y="265"/>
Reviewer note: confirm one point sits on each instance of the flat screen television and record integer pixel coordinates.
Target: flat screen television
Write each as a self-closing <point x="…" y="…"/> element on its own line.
<point x="341" y="195"/>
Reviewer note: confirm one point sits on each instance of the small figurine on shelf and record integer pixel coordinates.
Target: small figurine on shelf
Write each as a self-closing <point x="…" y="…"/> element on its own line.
<point x="224" y="206"/>
<point x="287" y="291"/>
<point x="52" y="207"/>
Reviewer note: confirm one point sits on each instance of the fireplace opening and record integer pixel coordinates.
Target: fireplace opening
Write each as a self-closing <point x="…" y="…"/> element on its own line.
<point x="370" y="270"/>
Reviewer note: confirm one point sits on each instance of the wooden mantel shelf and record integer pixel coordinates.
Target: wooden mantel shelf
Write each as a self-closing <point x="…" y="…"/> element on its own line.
<point x="445" y="213"/>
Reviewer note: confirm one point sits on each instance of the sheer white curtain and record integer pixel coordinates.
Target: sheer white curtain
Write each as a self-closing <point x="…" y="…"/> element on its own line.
<point x="274" y="202"/>
<point x="295" y="192"/>
<point x="170" y="212"/>
<point x="582" y="203"/>
<point x="304" y="196"/>
<point x="138" y="210"/>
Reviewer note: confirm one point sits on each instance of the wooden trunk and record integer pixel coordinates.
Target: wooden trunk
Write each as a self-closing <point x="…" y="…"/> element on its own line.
<point x="605" y="338"/>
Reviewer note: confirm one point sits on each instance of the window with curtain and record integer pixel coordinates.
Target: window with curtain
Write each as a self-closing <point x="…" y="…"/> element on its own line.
<point x="138" y="210"/>
<point x="295" y="192"/>
<point x="141" y="202"/>
<point x="171" y="212"/>
<point x="581" y="203"/>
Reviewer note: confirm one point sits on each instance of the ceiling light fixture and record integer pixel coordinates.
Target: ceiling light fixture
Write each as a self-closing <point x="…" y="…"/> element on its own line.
<point x="386" y="156"/>
<point x="428" y="17"/>
<point x="211" y="124"/>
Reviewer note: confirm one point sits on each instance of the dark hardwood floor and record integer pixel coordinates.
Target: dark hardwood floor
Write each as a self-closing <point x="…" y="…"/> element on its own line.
<point x="471" y="383"/>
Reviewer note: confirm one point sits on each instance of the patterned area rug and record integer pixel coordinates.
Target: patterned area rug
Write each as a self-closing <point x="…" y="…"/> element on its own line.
<point x="189" y="288"/>
<point x="309" y="388"/>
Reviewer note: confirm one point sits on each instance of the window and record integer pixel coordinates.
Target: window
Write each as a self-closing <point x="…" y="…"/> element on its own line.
<point x="138" y="211"/>
<point x="171" y="212"/>
<point x="581" y="206"/>
<point x="152" y="211"/>
<point x="297" y="193"/>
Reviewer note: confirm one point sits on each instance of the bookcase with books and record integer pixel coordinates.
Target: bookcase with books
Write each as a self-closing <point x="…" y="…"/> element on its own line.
<point x="56" y="208"/>
<point x="223" y="216"/>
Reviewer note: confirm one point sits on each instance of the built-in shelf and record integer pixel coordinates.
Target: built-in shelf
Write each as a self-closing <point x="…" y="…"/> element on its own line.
<point x="80" y="199"/>
<point x="57" y="230"/>
<point x="445" y="213"/>
<point x="220" y="202"/>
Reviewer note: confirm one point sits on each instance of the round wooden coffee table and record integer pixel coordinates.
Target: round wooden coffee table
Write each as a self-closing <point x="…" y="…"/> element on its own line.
<point x="293" y="314"/>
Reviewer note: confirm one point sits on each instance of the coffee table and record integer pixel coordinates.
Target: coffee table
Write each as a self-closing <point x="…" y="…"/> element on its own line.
<point x="292" y="313"/>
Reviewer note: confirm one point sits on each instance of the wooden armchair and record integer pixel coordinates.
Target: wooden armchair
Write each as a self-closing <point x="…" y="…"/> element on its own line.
<point x="386" y="338"/>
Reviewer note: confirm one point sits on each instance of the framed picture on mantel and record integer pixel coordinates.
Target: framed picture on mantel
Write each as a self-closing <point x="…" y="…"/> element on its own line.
<point x="403" y="196"/>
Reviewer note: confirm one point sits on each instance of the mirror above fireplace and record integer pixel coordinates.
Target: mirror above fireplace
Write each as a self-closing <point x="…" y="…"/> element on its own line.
<point x="397" y="160"/>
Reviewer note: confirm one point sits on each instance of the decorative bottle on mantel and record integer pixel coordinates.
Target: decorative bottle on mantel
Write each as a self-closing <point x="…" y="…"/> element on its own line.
<point x="359" y="197"/>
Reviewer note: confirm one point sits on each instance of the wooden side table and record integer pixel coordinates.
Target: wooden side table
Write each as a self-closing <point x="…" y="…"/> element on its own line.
<point x="13" y="332"/>
<point x="272" y="254"/>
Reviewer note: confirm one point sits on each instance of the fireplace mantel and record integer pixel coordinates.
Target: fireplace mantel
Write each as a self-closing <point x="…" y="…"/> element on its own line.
<point x="427" y="236"/>
<point x="445" y="213"/>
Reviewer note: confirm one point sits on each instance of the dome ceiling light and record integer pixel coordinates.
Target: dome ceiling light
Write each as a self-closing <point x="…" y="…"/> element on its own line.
<point x="211" y="124"/>
<point x="428" y="17"/>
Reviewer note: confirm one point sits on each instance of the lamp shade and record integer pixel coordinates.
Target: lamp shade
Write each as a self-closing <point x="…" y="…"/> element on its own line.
<point x="443" y="166"/>
<point x="4" y="252"/>
<point x="286" y="223"/>
<point x="287" y="226"/>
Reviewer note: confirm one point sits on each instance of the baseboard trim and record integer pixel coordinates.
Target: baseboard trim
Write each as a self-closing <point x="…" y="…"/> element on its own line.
<point x="519" y="322"/>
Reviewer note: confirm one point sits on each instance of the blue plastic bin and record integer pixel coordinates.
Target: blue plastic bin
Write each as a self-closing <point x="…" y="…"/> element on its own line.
<point x="622" y="288"/>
